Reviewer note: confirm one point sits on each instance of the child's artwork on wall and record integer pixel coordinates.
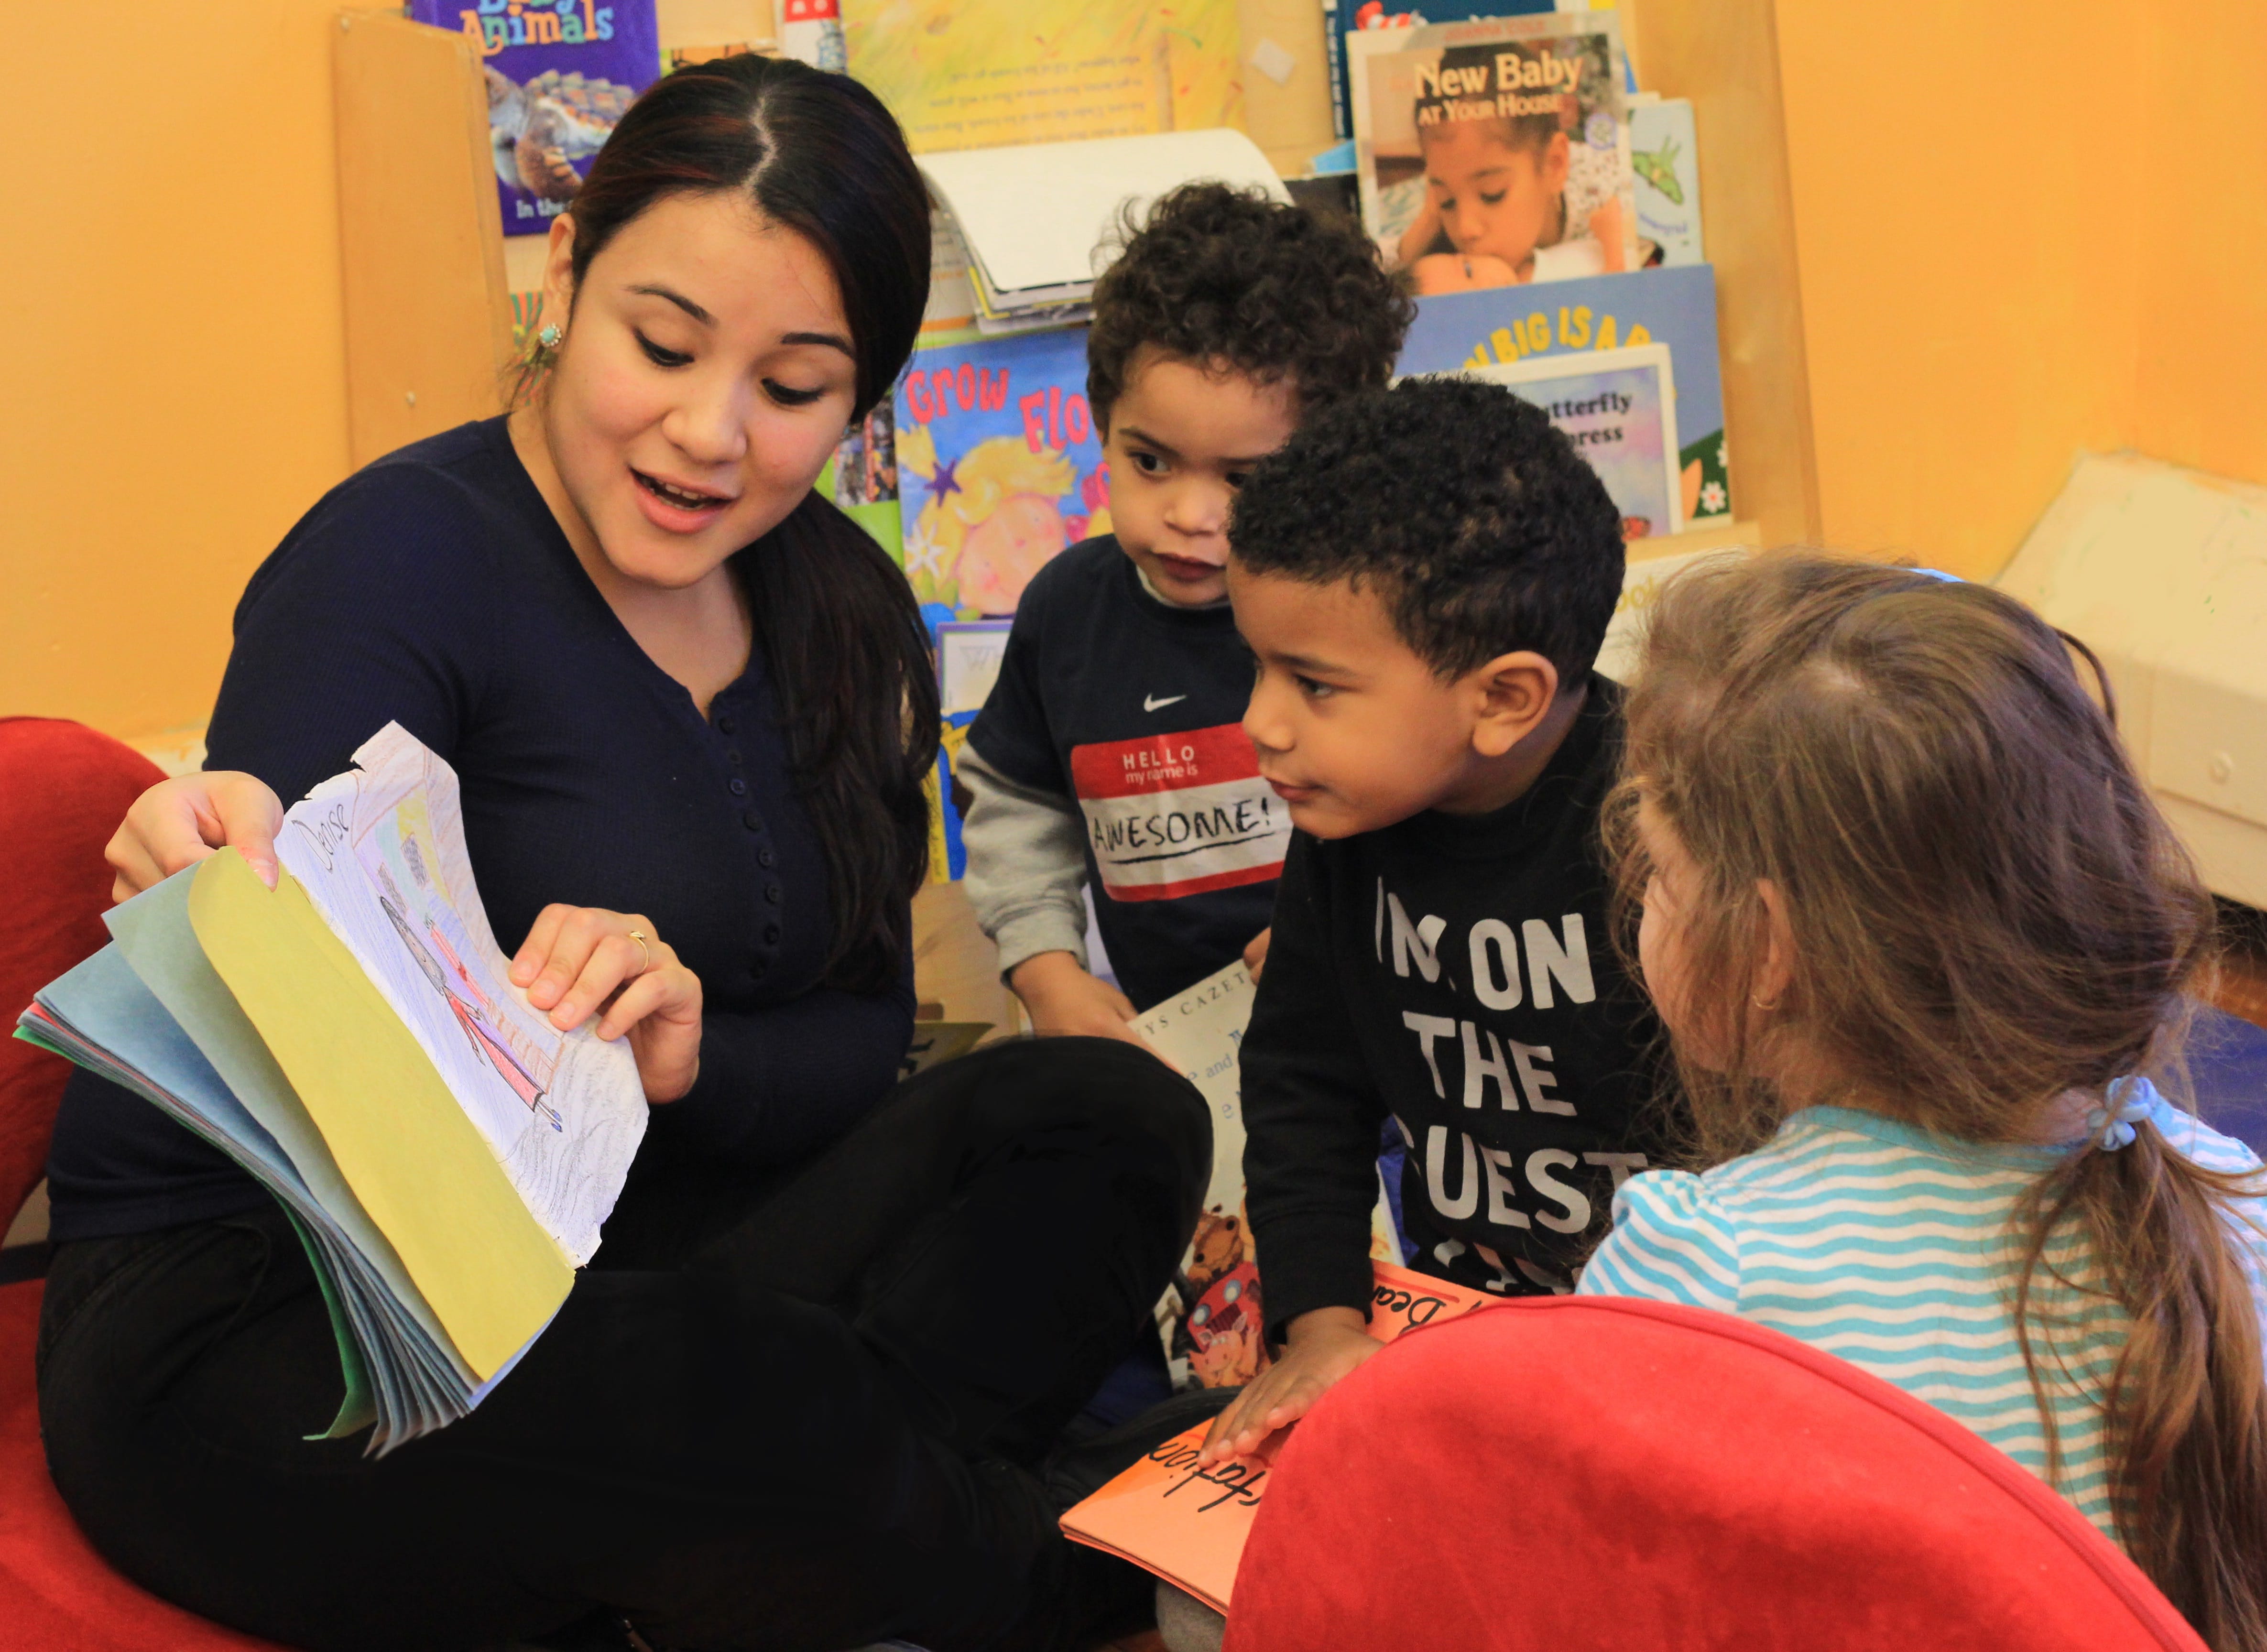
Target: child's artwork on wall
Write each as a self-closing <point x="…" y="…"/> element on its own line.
<point x="1494" y="152"/>
<point x="1674" y="307"/>
<point x="999" y="468"/>
<point x="559" y="73"/>
<point x="1618" y="408"/>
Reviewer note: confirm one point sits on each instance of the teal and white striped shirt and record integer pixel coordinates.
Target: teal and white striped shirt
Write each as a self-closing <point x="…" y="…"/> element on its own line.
<point x="1895" y="1249"/>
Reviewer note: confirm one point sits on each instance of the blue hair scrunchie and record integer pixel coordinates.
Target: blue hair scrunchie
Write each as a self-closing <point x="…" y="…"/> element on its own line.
<point x="2111" y="1127"/>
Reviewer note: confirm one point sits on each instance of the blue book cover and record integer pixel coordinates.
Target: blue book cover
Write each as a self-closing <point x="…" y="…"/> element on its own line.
<point x="560" y="74"/>
<point x="1675" y="307"/>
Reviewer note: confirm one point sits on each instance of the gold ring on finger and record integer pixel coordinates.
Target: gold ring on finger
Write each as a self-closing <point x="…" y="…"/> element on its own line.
<point x="645" y="953"/>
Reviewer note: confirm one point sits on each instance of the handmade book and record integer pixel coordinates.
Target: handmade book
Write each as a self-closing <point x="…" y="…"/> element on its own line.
<point x="1188" y="1523"/>
<point x="560" y="74"/>
<point x="352" y="1038"/>
<point x="1495" y="152"/>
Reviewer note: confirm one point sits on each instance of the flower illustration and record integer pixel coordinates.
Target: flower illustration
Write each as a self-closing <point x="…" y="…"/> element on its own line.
<point x="1713" y="499"/>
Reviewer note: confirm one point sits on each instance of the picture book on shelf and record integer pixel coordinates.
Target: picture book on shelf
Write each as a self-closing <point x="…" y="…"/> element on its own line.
<point x="1618" y="408"/>
<point x="1187" y="1523"/>
<point x="1563" y="322"/>
<point x="560" y="74"/>
<point x="1339" y="16"/>
<point x="999" y="467"/>
<point x="1494" y="152"/>
<point x="1664" y="156"/>
<point x="352" y="1038"/>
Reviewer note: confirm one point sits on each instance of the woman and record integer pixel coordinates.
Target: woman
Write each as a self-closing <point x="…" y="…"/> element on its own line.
<point x="797" y="1401"/>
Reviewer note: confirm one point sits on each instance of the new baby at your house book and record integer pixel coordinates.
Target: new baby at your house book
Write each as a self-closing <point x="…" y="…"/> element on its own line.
<point x="352" y="1038"/>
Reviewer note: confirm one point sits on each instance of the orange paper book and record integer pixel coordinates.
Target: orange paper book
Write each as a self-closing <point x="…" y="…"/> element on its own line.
<point x="1187" y="1523"/>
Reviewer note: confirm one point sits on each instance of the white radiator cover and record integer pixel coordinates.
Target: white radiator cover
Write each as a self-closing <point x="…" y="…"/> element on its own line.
<point x="2163" y="573"/>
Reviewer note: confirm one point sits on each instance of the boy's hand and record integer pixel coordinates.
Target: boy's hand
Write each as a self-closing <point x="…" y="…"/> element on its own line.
<point x="1063" y="998"/>
<point x="1324" y="1346"/>
<point x="1255" y="955"/>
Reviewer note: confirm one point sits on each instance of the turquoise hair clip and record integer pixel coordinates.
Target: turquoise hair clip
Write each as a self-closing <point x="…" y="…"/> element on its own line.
<point x="2111" y="1127"/>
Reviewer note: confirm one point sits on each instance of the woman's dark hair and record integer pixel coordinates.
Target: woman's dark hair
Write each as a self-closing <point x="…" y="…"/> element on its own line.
<point x="1220" y="275"/>
<point x="818" y="154"/>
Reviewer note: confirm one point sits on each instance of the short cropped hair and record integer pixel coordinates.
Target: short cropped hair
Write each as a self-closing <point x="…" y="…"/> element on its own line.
<point x="1473" y="516"/>
<point x="1220" y="275"/>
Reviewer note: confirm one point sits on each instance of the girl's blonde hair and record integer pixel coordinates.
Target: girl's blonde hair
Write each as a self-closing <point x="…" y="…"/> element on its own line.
<point x="1988" y="912"/>
<point x="989" y="474"/>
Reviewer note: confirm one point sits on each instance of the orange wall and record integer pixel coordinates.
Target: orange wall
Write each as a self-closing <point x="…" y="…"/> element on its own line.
<point x="1971" y="253"/>
<point x="2204" y="303"/>
<point x="172" y="377"/>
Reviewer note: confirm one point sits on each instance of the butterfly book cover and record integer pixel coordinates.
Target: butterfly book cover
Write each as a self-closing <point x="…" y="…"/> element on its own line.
<point x="560" y="74"/>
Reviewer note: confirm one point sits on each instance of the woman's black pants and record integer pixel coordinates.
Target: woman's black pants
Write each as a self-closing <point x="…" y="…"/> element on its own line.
<point x="795" y="1417"/>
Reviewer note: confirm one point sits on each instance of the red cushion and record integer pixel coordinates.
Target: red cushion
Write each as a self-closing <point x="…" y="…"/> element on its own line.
<point x="55" y="1592"/>
<point x="1593" y="1473"/>
<point x="63" y="789"/>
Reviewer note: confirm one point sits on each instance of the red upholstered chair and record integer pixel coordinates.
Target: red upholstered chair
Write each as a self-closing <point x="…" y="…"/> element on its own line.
<point x="1597" y="1474"/>
<point x="62" y="790"/>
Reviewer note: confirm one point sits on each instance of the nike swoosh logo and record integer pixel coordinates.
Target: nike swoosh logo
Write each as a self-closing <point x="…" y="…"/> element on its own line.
<point x="1150" y="702"/>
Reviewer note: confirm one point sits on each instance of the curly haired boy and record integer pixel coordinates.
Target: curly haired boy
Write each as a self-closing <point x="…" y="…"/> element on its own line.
<point x="1111" y="753"/>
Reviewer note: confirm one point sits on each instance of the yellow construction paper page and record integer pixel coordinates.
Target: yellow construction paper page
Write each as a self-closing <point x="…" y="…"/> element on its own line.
<point x="489" y="1273"/>
<point x="975" y="74"/>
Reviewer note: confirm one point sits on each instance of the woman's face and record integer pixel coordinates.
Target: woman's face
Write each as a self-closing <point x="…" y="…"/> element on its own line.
<point x="706" y="375"/>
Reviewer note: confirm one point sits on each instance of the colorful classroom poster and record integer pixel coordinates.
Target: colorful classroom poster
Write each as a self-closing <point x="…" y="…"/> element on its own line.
<point x="1673" y="306"/>
<point x="961" y="75"/>
<point x="559" y="73"/>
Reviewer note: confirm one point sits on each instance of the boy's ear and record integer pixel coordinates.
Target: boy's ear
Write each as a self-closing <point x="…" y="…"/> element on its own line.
<point x="1512" y="692"/>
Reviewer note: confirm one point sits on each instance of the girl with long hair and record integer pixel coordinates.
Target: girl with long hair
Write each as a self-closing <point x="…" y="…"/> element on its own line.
<point x="810" y="1394"/>
<point x="1921" y="940"/>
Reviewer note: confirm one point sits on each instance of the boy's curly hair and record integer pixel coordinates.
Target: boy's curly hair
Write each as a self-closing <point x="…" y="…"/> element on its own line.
<point x="1224" y="274"/>
<point x="1465" y="507"/>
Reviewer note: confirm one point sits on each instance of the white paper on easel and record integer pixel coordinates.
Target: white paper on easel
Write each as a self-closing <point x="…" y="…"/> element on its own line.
<point x="1033" y="214"/>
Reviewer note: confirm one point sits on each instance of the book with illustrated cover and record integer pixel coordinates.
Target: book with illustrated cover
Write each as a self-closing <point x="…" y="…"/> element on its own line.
<point x="1212" y="1318"/>
<point x="1665" y="155"/>
<point x="560" y="74"/>
<point x="1345" y="16"/>
<point x="1618" y="408"/>
<point x="353" y="1041"/>
<point x="1674" y="307"/>
<point x="1494" y="152"/>
<point x="1188" y="1523"/>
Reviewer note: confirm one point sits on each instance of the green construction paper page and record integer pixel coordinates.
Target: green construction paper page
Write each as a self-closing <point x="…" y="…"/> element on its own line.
<point x="357" y="1410"/>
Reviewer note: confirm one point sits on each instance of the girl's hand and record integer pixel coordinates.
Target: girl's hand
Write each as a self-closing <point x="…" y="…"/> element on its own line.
<point x="180" y="821"/>
<point x="1324" y="1347"/>
<point x="581" y="959"/>
<point x="1063" y="998"/>
<point x="1420" y="234"/>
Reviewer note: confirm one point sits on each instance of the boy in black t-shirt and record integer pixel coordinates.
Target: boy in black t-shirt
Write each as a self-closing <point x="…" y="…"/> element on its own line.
<point x="1425" y="577"/>
<point x="1110" y="752"/>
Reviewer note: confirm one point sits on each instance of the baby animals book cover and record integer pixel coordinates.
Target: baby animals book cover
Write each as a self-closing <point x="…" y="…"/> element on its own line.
<point x="559" y="73"/>
<point x="1495" y="152"/>
<point x="998" y="467"/>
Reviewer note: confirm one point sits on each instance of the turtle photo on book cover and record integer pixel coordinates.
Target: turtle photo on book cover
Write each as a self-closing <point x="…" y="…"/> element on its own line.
<point x="559" y="73"/>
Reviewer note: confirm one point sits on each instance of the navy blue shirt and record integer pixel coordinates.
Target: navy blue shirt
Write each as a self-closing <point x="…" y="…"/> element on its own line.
<point x="434" y="588"/>
<point x="1133" y="708"/>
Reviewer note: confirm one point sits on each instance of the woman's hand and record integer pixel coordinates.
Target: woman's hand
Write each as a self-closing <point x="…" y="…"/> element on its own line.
<point x="1063" y="998"/>
<point x="180" y="821"/>
<point x="581" y="959"/>
<point x="1255" y="951"/>
<point x="1324" y="1346"/>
